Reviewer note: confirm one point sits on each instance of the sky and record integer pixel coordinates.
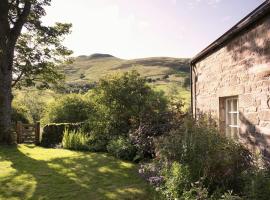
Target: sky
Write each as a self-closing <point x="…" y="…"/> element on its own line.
<point x="146" y="28"/>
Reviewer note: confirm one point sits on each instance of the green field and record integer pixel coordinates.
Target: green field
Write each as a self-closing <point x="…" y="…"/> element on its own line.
<point x="94" y="67"/>
<point x="30" y="172"/>
<point x="164" y="73"/>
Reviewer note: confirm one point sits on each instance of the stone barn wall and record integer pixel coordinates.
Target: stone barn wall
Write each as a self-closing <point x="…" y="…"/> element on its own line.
<point x="240" y="68"/>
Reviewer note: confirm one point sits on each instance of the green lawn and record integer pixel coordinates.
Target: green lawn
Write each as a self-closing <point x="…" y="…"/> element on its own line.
<point x="30" y="172"/>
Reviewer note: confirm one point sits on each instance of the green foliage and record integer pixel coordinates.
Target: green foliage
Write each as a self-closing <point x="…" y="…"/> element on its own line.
<point x="75" y="140"/>
<point x="19" y="114"/>
<point x="122" y="148"/>
<point x="98" y="142"/>
<point x="52" y="134"/>
<point x="71" y="108"/>
<point x="218" y="161"/>
<point x="177" y="180"/>
<point x="32" y="103"/>
<point x="196" y="192"/>
<point x="230" y="196"/>
<point x="43" y="52"/>
<point x="122" y="103"/>
<point x="257" y="184"/>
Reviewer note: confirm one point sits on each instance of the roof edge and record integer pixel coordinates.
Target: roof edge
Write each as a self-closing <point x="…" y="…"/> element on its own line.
<point x="260" y="12"/>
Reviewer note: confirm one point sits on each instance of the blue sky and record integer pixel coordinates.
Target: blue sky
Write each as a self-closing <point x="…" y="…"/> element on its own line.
<point x="146" y="28"/>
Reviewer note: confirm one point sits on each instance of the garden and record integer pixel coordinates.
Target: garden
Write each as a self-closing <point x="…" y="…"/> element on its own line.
<point x="125" y="140"/>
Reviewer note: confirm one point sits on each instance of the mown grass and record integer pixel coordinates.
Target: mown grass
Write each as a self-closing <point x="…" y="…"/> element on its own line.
<point x="30" y="172"/>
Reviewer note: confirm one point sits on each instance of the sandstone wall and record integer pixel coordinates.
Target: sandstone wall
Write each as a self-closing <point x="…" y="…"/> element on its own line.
<point x="240" y="68"/>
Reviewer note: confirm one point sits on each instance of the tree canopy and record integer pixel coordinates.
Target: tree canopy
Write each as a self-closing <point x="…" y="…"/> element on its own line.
<point x="29" y="52"/>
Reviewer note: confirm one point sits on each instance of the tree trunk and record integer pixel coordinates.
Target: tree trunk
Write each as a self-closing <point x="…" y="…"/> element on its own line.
<point x="8" y="39"/>
<point x="6" y="133"/>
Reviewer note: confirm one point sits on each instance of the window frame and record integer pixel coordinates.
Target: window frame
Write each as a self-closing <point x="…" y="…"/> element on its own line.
<point x="230" y="126"/>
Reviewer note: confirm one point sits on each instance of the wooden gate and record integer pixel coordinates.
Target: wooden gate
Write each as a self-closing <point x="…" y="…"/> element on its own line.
<point x="28" y="133"/>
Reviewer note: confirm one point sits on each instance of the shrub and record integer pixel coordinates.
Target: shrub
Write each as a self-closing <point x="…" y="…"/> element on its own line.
<point x="144" y="135"/>
<point x="98" y="142"/>
<point x="19" y="113"/>
<point x="71" y="108"/>
<point x="166" y="76"/>
<point x="177" y="180"/>
<point x="32" y="103"/>
<point x="257" y="185"/>
<point x="196" y="192"/>
<point x="230" y="196"/>
<point x="53" y="133"/>
<point x="208" y="155"/>
<point x="75" y="140"/>
<point x="122" y="148"/>
<point x="122" y="103"/>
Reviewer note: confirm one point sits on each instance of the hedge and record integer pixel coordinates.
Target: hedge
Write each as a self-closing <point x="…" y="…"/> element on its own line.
<point x="52" y="134"/>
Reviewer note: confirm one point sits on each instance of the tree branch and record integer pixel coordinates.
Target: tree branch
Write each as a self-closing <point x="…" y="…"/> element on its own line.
<point x="16" y="30"/>
<point x="22" y="17"/>
<point x="17" y="79"/>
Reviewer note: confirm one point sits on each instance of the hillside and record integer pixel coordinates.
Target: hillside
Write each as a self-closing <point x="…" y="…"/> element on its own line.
<point x="164" y="73"/>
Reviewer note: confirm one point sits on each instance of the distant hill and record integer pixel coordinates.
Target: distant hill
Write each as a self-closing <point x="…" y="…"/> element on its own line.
<point x="164" y="73"/>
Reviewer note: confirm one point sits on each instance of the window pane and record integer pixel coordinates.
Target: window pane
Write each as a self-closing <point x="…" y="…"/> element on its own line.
<point x="234" y="121"/>
<point x="229" y="105"/>
<point x="235" y="105"/>
<point x="229" y="118"/>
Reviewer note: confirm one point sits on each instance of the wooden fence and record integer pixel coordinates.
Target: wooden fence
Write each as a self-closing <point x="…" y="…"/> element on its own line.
<point x="28" y="133"/>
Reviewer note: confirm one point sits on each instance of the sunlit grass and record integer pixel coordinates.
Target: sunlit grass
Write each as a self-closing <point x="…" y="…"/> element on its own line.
<point x="29" y="172"/>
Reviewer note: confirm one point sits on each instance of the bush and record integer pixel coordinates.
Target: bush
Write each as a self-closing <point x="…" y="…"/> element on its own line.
<point x="209" y="156"/>
<point x="257" y="185"/>
<point x="75" y="140"/>
<point x="98" y="142"/>
<point x="122" y="103"/>
<point x="19" y="113"/>
<point x="165" y="76"/>
<point x="196" y="192"/>
<point x="52" y="134"/>
<point x="122" y="148"/>
<point x="71" y="108"/>
<point x="177" y="180"/>
<point x="32" y="103"/>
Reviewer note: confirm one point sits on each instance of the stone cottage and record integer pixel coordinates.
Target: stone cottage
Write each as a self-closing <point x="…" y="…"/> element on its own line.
<point x="231" y="80"/>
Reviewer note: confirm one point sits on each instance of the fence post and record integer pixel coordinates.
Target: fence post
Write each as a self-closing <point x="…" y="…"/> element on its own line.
<point x="19" y="131"/>
<point x="37" y="133"/>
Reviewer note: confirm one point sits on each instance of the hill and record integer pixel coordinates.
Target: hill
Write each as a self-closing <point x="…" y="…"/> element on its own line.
<point x="163" y="73"/>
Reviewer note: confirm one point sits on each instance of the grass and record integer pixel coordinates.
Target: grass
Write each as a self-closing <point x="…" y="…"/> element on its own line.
<point x="35" y="173"/>
<point x="95" y="68"/>
<point x="155" y="68"/>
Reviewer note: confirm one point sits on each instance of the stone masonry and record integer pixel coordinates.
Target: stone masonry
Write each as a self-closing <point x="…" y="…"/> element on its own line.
<point x="241" y="68"/>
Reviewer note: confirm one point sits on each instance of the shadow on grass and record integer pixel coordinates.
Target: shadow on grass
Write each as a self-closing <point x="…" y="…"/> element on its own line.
<point x="73" y="175"/>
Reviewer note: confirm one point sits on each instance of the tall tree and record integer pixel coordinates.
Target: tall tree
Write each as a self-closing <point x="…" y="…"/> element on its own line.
<point x="29" y="53"/>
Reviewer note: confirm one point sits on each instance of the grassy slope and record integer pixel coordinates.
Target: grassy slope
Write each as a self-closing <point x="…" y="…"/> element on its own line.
<point x="29" y="172"/>
<point x="93" y="68"/>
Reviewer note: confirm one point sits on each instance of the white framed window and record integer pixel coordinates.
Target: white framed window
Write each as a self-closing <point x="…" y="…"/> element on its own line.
<point x="232" y="117"/>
